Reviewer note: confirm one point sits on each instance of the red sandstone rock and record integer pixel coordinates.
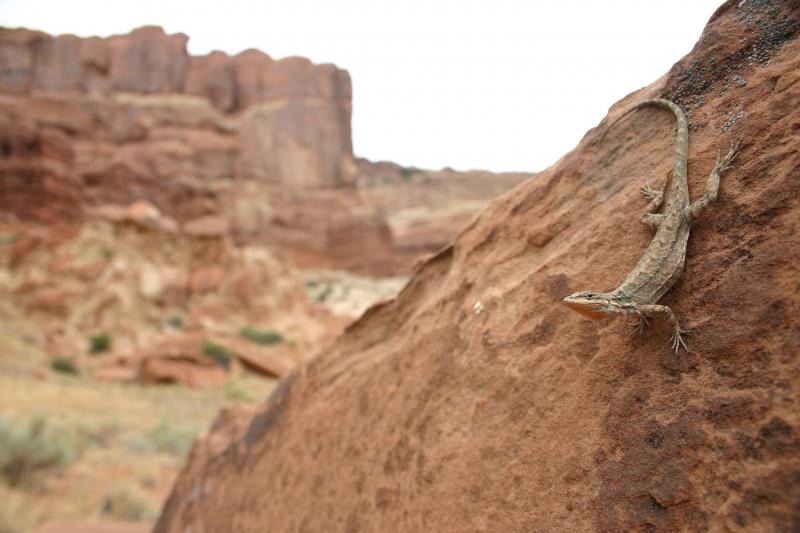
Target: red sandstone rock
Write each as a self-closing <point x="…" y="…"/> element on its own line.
<point x="143" y="213"/>
<point x="209" y="226"/>
<point x="265" y="144"/>
<point x="213" y="77"/>
<point x="179" y="359"/>
<point x="263" y="361"/>
<point x="206" y="279"/>
<point x="58" y="64"/>
<point x="51" y="300"/>
<point x="148" y="61"/>
<point x="248" y="70"/>
<point x="476" y="401"/>
<point x="118" y="371"/>
<point x="17" y="50"/>
<point x="194" y="371"/>
<point x="36" y="181"/>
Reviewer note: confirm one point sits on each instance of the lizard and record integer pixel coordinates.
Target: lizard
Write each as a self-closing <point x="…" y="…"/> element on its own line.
<point x="662" y="262"/>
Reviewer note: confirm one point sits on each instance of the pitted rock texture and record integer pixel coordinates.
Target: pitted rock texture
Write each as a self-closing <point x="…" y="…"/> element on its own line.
<point x="475" y="401"/>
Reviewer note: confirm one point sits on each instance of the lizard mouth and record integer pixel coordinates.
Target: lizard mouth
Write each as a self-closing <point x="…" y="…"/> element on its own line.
<point x="593" y="310"/>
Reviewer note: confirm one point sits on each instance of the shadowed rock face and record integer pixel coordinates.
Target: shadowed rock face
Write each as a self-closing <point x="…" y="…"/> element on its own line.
<point x="475" y="401"/>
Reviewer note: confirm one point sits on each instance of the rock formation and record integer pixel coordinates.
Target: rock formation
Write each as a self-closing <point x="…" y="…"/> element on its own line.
<point x="264" y="144"/>
<point x="158" y="295"/>
<point x="475" y="401"/>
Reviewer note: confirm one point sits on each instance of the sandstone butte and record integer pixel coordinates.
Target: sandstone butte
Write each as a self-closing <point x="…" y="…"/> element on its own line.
<point x="261" y="147"/>
<point x="474" y="401"/>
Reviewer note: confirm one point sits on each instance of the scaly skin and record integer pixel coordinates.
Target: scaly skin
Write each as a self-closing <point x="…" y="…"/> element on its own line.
<point x="662" y="262"/>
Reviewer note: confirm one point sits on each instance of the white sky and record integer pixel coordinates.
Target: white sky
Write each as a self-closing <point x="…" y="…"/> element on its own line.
<point x="498" y="85"/>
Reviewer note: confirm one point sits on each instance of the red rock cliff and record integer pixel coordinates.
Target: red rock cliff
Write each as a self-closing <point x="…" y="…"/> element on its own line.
<point x="264" y="144"/>
<point x="475" y="401"/>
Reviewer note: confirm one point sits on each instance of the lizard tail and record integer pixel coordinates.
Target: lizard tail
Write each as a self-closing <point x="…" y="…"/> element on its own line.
<point x="682" y="133"/>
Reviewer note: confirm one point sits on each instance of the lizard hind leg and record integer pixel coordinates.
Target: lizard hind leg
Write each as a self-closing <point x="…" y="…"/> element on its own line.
<point x="650" y="217"/>
<point x="712" y="184"/>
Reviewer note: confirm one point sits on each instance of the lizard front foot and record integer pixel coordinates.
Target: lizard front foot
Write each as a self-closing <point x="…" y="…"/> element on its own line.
<point x="639" y="325"/>
<point x="677" y="340"/>
<point x="648" y="192"/>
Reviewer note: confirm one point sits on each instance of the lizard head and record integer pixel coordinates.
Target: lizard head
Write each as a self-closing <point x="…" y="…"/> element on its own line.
<point x="594" y="305"/>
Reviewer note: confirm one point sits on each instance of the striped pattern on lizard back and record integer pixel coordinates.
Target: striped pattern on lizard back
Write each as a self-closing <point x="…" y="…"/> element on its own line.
<point x="662" y="262"/>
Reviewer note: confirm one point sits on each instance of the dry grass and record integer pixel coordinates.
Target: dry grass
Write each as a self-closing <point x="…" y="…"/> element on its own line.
<point x="128" y="441"/>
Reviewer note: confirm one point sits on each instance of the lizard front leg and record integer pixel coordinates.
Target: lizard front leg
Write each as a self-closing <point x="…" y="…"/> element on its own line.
<point x="653" y="310"/>
<point x="712" y="185"/>
<point x="650" y="217"/>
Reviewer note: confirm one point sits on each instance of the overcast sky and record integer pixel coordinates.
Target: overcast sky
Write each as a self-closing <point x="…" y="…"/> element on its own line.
<point x="498" y="85"/>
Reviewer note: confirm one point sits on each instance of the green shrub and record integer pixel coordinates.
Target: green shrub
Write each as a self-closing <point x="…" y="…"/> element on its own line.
<point x="261" y="336"/>
<point x="218" y="353"/>
<point x="100" y="342"/>
<point x="28" y="450"/>
<point x="322" y="296"/>
<point x="64" y="366"/>
<point x="175" y="321"/>
<point x="173" y="438"/>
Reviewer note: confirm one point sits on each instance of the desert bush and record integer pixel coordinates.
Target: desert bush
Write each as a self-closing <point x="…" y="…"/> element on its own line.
<point x="261" y="336"/>
<point x="218" y="353"/>
<point x="100" y="342"/>
<point x="64" y="366"/>
<point x="98" y="434"/>
<point x="233" y="390"/>
<point x="324" y="295"/>
<point x="128" y="504"/>
<point x="175" y="321"/>
<point x="172" y="437"/>
<point x="28" y="450"/>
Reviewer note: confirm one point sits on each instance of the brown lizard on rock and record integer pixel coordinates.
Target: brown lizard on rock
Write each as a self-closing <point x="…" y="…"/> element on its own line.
<point x="662" y="262"/>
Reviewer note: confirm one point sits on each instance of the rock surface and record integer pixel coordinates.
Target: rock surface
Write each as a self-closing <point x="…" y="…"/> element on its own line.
<point x="261" y="147"/>
<point x="475" y="401"/>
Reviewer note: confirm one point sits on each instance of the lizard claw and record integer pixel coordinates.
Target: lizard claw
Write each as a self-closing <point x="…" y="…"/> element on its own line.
<point x="677" y="340"/>
<point x="732" y="153"/>
<point x="647" y="190"/>
<point x="639" y="325"/>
